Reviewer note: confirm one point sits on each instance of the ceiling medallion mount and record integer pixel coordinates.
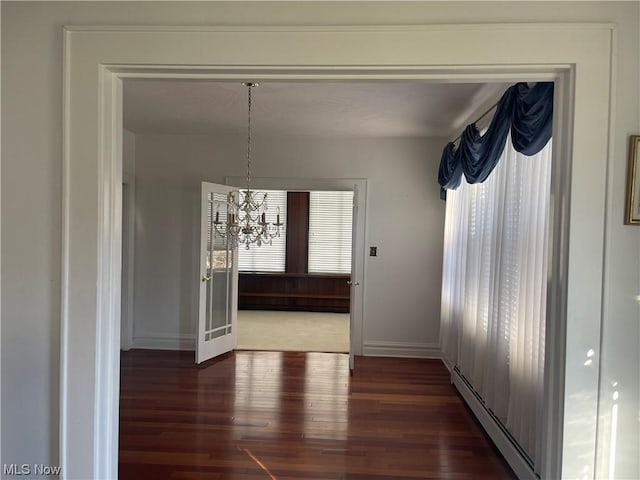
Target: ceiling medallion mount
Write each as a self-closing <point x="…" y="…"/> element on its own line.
<point x="246" y="222"/>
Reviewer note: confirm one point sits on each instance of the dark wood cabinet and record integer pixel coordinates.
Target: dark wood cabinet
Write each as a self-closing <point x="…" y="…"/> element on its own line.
<point x="294" y="291"/>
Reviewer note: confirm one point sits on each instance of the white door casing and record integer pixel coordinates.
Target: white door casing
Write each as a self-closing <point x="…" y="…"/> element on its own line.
<point x="96" y="59"/>
<point x="218" y="300"/>
<point x="354" y="284"/>
<point x="359" y="188"/>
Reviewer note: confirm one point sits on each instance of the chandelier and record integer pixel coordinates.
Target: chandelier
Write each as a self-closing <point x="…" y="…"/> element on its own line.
<point x="246" y="222"/>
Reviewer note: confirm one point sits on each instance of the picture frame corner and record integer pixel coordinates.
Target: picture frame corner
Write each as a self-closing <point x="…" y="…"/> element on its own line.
<point x="632" y="204"/>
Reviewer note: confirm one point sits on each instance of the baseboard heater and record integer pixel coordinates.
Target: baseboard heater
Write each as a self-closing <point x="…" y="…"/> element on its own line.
<point x="513" y="453"/>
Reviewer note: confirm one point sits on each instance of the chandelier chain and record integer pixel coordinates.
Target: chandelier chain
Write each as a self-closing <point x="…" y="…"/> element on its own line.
<point x="249" y="141"/>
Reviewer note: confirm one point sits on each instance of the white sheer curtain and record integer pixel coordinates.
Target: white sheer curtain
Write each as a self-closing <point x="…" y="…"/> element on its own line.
<point x="494" y="289"/>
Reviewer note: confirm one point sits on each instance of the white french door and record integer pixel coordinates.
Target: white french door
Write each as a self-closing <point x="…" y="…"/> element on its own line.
<point x="218" y="312"/>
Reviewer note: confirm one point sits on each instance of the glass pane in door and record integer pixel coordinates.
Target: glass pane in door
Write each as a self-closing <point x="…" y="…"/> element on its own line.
<point x="218" y="270"/>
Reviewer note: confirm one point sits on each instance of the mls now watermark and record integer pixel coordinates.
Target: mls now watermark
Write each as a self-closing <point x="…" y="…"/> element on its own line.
<point x="15" y="469"/>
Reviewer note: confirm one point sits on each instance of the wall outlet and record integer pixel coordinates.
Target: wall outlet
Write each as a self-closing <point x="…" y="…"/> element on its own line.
<point x="373" y="251"/>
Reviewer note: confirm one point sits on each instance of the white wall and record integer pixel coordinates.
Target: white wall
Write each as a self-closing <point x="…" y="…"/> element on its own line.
<point x="404" y="220"/>
<point x="32" y="193"/>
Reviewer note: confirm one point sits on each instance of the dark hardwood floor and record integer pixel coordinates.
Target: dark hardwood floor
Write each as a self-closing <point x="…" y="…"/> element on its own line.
<point x="269" y="415"/>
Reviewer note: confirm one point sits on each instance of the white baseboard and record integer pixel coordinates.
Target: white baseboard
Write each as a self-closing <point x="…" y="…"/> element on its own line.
<point x="505" y="445"/>
<point x="370" y="349"/>
<point x="449" y="365"/>
<point x="165" y="342"/>
<point x="401" y="349"/>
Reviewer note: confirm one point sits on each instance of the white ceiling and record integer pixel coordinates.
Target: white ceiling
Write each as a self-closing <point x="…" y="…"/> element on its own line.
<point x="309" y="108"/>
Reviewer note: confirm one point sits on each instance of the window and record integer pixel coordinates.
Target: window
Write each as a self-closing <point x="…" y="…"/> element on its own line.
<point x="268" y="258"/>
<point x="330" y="229"/>
<point x="494" y="287"/>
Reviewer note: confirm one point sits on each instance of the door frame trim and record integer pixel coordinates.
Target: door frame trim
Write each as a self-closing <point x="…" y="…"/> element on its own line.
<point x="95" y="61"/>
<point x="356" y="339"/>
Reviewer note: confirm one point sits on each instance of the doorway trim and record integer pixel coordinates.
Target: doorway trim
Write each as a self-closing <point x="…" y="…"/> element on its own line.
<point x="96" y="59"/>
<point x="356" y="322"/>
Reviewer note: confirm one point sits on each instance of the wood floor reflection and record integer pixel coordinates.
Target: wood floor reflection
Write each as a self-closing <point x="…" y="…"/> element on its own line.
<point x="271" y="415"/>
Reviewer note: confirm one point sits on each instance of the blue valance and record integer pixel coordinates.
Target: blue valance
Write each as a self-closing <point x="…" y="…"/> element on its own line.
<point x="525" y="111"/>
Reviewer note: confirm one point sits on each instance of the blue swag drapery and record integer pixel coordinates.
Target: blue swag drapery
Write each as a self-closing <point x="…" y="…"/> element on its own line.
<point x="525" y="111"/>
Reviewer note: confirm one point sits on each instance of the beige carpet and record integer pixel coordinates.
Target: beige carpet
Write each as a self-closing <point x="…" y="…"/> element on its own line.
<point x="293" y="331"/>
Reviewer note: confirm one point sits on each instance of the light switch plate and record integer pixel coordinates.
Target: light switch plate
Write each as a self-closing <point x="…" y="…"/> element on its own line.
<point x="373" y="251"/>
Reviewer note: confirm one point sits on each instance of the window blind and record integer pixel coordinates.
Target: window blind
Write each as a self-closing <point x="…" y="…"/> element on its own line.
<point x="268" y="258"/>
<point x="330" y="229"/>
